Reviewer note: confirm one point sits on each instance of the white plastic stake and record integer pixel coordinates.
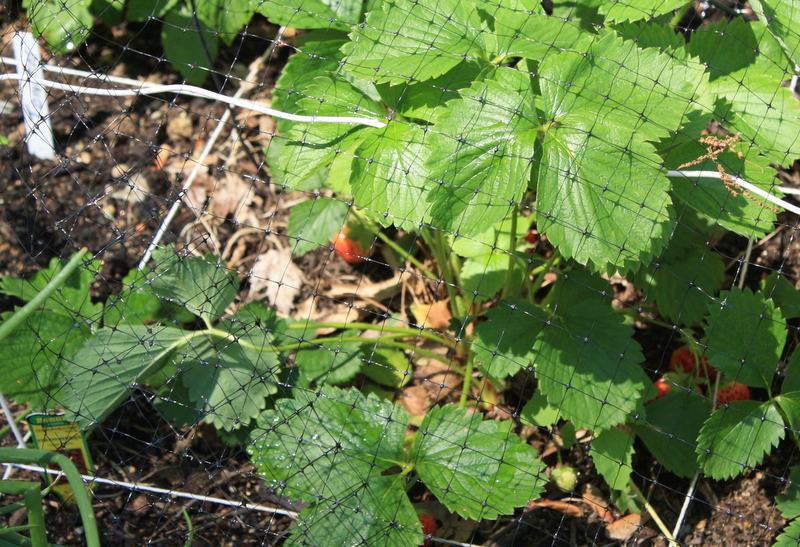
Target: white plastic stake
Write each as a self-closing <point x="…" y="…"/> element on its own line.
<point x="33" y="97"/>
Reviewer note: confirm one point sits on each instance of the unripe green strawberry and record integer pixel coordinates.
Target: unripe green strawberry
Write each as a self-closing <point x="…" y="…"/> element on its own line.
<point x="565" y="478"/>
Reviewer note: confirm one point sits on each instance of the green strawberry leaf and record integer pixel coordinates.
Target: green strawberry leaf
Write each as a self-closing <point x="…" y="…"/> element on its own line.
<point x="377" y="512"/>
<point x="633" y="10"/>
<point x="310" y="222"/>
<point x="321" y="445"/>
<point x="612" y="453"/>
<point x="390" y="180"/>
<point x="478" y="469"/>
<point x="782" y="19"/>
<point x="72" y="299"/>
<point x="789" y="403"/>
<point x="781" y="291"/>
<point x="313" y="146"/>
<point x="789" y="501"/>
<point x="683" y="279"/>
<point x="204" y="286"/>
<point x="29" y="370"/>
<point x="539" y="412"/>
<point x="503" y="344"/>
<point x="317" y="54"/>
<point x="483" y="149"/>
<point x="312" y="14"/>
<point x="745" y="337"/>
<point x="416" y="41"/>
<point x="602" y="194"/>
<point x="189" y="48"/>
<point x="791" y="380"/>
<point x="671" y="429"/>
<point x="136" y="303"/>
<point x="790" y="536"/>
<point x="333" y="363"/>
<point x="737" y="437"/>
<point x="588" y="366"/>
<point x="109" y="365"/>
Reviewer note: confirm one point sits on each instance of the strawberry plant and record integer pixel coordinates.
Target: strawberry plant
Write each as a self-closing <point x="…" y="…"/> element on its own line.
<point x="590" y="117"/>
<point x="348" y="456"/>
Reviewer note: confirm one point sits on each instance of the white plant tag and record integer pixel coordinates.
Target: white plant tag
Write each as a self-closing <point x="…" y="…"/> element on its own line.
<point x="33" y="97"/>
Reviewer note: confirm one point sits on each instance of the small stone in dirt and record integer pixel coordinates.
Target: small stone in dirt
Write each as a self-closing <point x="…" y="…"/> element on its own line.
<point x="180" y="127"/>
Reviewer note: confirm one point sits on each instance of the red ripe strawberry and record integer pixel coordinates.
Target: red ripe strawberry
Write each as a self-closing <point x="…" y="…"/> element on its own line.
<point x="662" y="385"/>
<point x="683" y="360"/>
<point x="733" y="392"/>
<point x="349" y="248"/>
<point x="428" y="527"/>
<point x="532" y="236"/>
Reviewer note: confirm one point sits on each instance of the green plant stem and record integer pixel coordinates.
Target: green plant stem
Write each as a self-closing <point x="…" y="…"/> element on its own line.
<point x="511" y="257"/>
<point x="190" y="528"/>
<point x="403" y="252"/>
<point x="7" y="428"/>
<point x="652" y="512"/>
<point x="462" y="403"/>
<point x="539" y="273"/>
<point x="59" y="280"/>
<point x="409" y="332"/>
<point x="449" y="275"/>
<point x="679" y="15"/>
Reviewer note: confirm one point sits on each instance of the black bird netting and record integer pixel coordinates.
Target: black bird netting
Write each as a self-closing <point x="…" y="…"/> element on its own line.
<point x="402" y="272"/>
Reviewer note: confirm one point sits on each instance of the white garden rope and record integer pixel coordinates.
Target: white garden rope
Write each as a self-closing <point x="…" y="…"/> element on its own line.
<point x="199" y="497"/>
<point x="193" y="91"/>
<point x="740" y="182"/>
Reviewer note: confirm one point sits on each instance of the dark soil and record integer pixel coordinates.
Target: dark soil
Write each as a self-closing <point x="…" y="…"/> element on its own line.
<point x="90" y="197"/>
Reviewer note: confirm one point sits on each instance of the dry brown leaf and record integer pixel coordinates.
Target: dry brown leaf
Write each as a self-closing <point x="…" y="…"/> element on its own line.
<point x="594" y="497"/>
<point x="434" y="316"/>
<point x="416" y="400"/>
<point x="275" y="277"/>
<point x="562" y="507"/>
<point x="623" y="528"/>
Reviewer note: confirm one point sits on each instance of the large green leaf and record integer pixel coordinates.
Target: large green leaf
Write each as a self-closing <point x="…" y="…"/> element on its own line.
<point x="204" y="286"/>
<point x="189" y="49"/>
<point x="312" y="146"/>
<point x="390" y="179"/>
<point x="103" y="373"/>
<point x="683" y="279"/>
<point x="377" y="513"/>
<point x="612" y="453"/>
<point x="671" y="429"/>
<point x="632" y="10"/>
<point x="588" y="366"/>
<point x="28" y="370"/>
<point x="782" y="18"/>
<point x="409" y="41"/>
<point x="504" y="344"/>
<point x="312" y="14"/>
<point x="65" y="24"/>
<point x="483" y="149"/>
<point x="333" y="449"/>
<point x="478" y="469"/>
<point x="317" y="54"/>
<point x="602" y="193"/>
<point x="737" y="437"/>
<point x="226" y="17"/>
<point x="745" y="337"/>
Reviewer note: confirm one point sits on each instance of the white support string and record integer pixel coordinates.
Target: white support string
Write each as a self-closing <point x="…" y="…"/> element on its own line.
<point x="740" y="182"/>
<point x="193" y="91"/>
